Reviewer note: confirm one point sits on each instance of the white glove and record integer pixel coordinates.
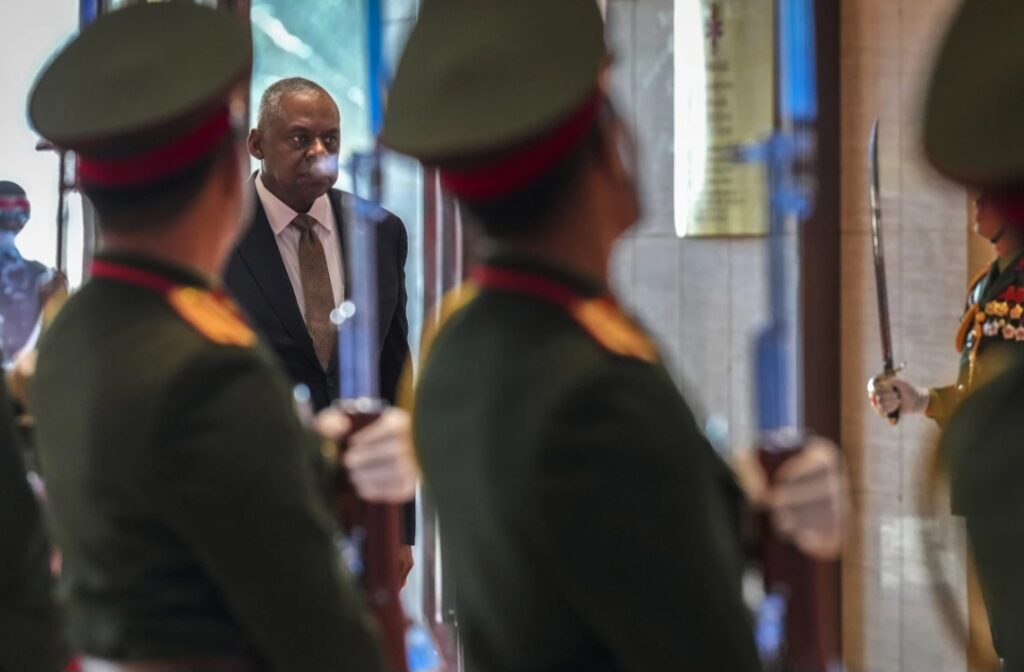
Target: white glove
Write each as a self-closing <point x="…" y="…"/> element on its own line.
<point x="380" y="458"/>
<point x="888" y="394"/>
<point x="807" y="499"/>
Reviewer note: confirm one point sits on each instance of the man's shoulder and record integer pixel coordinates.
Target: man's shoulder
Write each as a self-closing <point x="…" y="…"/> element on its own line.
<point x="514" y="338"/>
<point x="129" y="322"/>
<point x="343" y="201"/>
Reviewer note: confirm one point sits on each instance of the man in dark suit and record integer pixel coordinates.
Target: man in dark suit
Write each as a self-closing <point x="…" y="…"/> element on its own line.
<point x="288" y="272"/>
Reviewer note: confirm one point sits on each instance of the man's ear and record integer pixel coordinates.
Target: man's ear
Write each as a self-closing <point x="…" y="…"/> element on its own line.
<point x="255" y="144"/>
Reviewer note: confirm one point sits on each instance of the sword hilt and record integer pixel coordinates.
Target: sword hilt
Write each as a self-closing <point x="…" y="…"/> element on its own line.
<point x="889" y="373"/>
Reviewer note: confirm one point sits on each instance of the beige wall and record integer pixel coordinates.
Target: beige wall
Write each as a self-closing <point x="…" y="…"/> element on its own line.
<point x="890" y="619"/>
<point x="704" y="299"/>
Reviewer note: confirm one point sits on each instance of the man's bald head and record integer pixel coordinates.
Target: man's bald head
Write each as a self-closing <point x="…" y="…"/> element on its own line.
<point x="271" y="106"/>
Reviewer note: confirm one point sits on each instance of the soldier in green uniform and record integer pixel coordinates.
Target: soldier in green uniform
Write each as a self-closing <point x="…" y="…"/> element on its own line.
<point x="978" y="145"/>
<point x="993" y="318"/>
<point x="589" y="524"/>
<point x="185" y="494"/>
<point x="30" y="627"/>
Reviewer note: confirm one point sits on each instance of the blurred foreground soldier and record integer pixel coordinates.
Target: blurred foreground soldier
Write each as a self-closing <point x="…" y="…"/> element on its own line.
<point x="590" y="524"/>
<point x="30" y="630"/>
<point x="993" y="319"/>
<point x="979" y="145"/>
<point x="184" y="491"/>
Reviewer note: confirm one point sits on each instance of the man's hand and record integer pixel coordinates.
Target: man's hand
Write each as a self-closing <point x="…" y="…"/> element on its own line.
<point x="380" y="459"/>
<point x="406" y="562"/>
<point x="889" y="394"/>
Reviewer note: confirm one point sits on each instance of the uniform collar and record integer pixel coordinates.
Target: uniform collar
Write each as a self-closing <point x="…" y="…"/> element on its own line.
<point x="176" y="274"/>
<point x="583" y="286"/>
<point x="280" y="215"/>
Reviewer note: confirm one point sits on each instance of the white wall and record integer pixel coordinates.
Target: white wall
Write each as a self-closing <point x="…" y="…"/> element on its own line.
<point x="33" y="29"/>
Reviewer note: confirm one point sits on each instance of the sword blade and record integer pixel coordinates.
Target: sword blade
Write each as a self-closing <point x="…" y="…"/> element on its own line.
<point x="881" y="288"/>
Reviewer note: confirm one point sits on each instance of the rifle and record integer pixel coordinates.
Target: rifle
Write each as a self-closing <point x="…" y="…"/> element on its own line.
<point x="799" y="628"/>
<point x="373" y="527"/>
<point x="444" y="269"/>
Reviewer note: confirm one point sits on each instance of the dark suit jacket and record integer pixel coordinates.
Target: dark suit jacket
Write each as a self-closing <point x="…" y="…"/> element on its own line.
<point x="257" y="279"/>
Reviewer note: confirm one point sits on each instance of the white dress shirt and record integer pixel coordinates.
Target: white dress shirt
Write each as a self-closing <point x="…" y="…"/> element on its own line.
<point x="280" y="216"/>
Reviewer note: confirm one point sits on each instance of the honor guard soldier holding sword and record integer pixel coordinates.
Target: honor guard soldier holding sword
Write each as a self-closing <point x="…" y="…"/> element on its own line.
<point x="993" y="319"/>
<point x="589" y="524"/>
<point x="993" y="316"/>
<point x="981" y="60"/>
<point x="186" y="495"/>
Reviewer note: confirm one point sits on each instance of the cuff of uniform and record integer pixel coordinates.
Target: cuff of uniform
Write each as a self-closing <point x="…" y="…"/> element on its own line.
<point x="942" y="401"/>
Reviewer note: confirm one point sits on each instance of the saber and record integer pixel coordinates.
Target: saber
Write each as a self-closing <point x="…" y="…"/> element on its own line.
<point x="889" y="369"/>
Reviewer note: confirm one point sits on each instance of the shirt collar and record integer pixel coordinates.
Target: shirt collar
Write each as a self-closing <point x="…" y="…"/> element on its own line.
<point x="280" y="215"/>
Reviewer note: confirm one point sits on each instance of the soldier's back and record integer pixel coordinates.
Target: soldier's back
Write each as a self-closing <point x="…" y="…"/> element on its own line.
<point x="183" y="489"/>
<point x="589" y="522"/>
<point x="116" y="372"/>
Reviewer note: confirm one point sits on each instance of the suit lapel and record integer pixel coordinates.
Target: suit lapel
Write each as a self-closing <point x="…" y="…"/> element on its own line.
<point x="338" y="208"/>
<point x="259" y="251"/>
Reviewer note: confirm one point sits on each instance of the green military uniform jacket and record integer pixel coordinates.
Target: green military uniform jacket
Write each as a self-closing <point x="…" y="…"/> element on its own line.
<point x="184" y="490"/>
<point x="30" y="629"/>
<point x="993" y="319"/>
<point x="589" y="523"/>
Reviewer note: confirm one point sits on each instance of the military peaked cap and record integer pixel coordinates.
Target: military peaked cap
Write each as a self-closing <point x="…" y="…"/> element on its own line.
<point x="512" y="81"/>
<point x="142" y="93"/>
<point x="973" y="126"/>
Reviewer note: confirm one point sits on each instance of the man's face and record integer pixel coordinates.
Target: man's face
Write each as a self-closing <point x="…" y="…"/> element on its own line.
<point x="987" y="221"/>
<point x="14" y="213"/>
<point x="299" y="148"/>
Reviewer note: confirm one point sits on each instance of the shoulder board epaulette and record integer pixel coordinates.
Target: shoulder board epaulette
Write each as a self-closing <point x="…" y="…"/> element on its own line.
<point x="613" y="329"/>
<point x="452" y="302"/>
<point x="212" y="315"/>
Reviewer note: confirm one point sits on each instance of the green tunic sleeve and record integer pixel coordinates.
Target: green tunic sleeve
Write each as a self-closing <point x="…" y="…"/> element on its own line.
<point x="674" y="608"/>
<point x="240" y="488"/>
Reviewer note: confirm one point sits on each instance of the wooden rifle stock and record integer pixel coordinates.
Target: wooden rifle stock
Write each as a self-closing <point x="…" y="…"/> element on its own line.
<point x="376" y="529"/>
<point x="810" y="587"/>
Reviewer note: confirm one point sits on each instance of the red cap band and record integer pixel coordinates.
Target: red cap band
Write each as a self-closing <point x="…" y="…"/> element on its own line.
<point x="13" y="203"/>
<point x="512" y="172"/>
<point x="159" y="162"/>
